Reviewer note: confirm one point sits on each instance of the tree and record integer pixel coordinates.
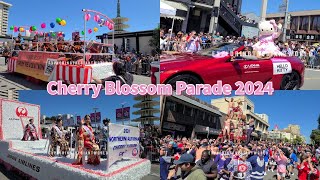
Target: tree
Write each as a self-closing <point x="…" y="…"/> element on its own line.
<point x="286" y="139"/>
<point x="154" y="42"/>
<point x="315" y="136"/>
<point x="319" y="122"/>
<point x="298" y="140"/>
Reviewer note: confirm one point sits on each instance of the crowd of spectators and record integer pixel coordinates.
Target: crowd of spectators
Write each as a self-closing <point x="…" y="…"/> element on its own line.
<point x="194" y="42"/>
<point x="210" y="159"/>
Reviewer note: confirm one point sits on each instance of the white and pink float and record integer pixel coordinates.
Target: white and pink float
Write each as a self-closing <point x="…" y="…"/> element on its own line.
<point x="30" y="159"/>
<point x="50" y="66"/>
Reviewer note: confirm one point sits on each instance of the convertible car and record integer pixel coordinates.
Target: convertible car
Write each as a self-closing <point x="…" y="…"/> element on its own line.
<point x="207" y="67"/>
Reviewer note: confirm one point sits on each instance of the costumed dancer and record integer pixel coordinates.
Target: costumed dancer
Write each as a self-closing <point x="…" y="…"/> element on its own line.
<point x="58" y="139"/>
<point x="86" y="140"/>
<point x="226" y="129"/>
<point x="269" y="31"/>
<point x="230" y="107"/>
<point x="30" y="131"/>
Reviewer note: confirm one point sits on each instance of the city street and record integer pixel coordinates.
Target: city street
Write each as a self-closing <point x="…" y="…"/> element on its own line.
<point x="18" y="82"/>
<point x="311" y="80"/>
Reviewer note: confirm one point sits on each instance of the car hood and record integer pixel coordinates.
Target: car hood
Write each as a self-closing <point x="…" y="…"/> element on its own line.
<point x="181" y="57"/>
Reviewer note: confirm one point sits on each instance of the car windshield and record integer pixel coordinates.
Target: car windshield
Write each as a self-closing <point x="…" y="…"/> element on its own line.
<point x="228" y="47"/>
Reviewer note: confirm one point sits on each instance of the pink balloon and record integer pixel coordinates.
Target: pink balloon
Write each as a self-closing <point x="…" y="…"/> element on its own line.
<point x="41" y="33"/>
<point x="36" y="32"/>
<point x="96" y="18"/>
<point x="107" y="23"/>
<point x="15" y="29"/>
<point x="43" y="25"/>
<point x="87" y="17"/>
<point x="90" y="31"/>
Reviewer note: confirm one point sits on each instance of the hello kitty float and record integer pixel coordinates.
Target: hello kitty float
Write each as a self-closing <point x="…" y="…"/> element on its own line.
<point x="269" y="31"/>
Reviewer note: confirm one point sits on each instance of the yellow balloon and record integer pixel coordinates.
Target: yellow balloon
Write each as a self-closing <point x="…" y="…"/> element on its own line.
<point x="95" y="29"/>
<point x="21" y="29"/>
<point x="63" y="23"/>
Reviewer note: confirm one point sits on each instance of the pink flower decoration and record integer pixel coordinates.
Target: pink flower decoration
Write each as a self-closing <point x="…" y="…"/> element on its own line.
<point x="221" y="54"/>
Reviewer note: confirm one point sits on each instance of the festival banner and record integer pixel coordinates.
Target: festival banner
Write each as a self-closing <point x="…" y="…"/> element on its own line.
<point x="123" y="142"/>
<point x="95" y="119"/>
<point x="78" y="119"/>
<point x="123" y="114"/>
<point x="34" y="64"/>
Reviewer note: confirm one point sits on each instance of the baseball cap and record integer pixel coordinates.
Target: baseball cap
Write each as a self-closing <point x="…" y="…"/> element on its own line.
<point x="184" y="158"/>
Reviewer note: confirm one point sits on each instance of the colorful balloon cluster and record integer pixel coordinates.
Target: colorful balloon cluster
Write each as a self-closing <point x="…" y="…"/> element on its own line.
<point x="33" y="28"/>
<point x="61" y="22"/>
<point x="101" y="22"/>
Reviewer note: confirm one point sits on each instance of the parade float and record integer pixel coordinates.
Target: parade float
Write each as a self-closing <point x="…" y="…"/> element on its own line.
<point x="30" y="159"/>
<point x="53" y="66"/>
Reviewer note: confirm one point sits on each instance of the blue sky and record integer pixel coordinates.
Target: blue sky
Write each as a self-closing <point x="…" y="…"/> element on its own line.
<point x="80" y="105"/>
<point x="287" y="107"/>
<point x="142" y="14"/>
<point x="273" y="5"/>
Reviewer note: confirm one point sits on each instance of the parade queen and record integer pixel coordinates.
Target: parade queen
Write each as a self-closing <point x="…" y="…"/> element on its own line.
<point x="86" y="141"/>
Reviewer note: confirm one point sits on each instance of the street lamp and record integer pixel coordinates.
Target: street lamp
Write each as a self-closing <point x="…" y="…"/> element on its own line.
<point x="122" y="107"/>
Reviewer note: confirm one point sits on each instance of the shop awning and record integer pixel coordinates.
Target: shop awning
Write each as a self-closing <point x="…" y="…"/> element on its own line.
<point x="167" y="9"/>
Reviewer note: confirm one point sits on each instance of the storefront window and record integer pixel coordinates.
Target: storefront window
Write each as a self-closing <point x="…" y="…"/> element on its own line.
<point x="315" y="23"/>
<point x="304" y="21"/>
<point x="294" y="23"/>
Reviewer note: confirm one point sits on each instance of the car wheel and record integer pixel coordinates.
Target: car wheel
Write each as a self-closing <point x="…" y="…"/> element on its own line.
<point x="187" y="78"/>
<point x="290" y="81"/>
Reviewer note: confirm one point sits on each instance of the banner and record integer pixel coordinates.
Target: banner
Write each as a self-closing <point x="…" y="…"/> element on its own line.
<point x="78" y="119"/>
<point x="15" y="116"/>
<point x="36" y="64"/>
<point x="95" y="119"/>
<point x="123" y="114"/>
<point x="123" y="142"/>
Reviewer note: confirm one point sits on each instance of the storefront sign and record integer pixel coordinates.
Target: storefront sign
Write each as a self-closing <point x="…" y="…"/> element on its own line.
<point x="123" y="142"/>
<point x="34" y="64"/>
<point x="172" y="126"/>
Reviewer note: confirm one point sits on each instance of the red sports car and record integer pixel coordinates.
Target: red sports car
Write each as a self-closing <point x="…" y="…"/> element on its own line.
<point x="204" y="67"/>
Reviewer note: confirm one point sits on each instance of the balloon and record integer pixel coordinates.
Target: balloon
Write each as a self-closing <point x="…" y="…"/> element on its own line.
<point x="36" y="32"/>
<point x="52" y="25"/>
<point x="107" y="23"/>
<point x="49" y="35"/>
<point x="43" y="25"/>
<point x="41" y="33"/>
<point x="82" y="32"/>
<point x="63" y="23"/>
<point x="95" y="29"/>
<point x="87" y="17"/>
<point x="58" y="20"/>
<point x="90" y="31"/>
<point x="64" y="35"/>
<point x="53" y="34"/>
<point x="30" y="28"/>
<point x="96" y="18"/>
<point x="11" y="28"/>
<point x="34" y="28"/>
<point x="16" y="29"/>
<point x="21" y="29"/>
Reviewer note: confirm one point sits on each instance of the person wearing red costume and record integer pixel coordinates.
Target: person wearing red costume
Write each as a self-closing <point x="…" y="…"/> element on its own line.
<point x="30" y="131"/>
<point x="307" y="169"/>
<point x="86" y="140"/>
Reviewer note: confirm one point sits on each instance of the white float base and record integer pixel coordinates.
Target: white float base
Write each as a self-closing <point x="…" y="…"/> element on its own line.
<point x="30" y="157"/>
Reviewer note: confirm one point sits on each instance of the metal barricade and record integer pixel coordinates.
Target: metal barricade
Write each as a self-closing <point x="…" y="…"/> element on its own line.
<point x="152" y="153"/>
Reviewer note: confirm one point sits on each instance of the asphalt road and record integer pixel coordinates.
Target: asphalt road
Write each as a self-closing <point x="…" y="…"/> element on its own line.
<point x="311" y="80"/>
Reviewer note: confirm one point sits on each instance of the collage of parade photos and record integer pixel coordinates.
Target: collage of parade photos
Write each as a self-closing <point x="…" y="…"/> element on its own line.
<point x="160" y="89"/>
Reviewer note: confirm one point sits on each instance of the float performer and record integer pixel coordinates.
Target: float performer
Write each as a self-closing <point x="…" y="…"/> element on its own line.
<point x="86" y="140"/>
<point x="30" y="131"/>
<point x="58" y="139"/>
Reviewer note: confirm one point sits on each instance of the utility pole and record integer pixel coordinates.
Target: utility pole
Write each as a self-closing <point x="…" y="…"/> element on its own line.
<point x="122" y="105"/>
<point x="285" y="22"/>
<point x="264" y="10"/>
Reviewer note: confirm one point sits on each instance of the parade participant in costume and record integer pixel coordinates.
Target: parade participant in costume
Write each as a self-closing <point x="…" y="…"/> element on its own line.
<point x="281" y="161"/>
<point x="250" y="129"/>
<point x="230" y="107"/>
<point x="34" y="43"/>
<point x="226" y="129"/>
<point x="58" y="139"/>
<point x="269" y="31"/>
<point x="258" y="165"/>
<point x="86" y="140"/>
<point x="239" y="167"/>
<point x="30" y="131"/>
<point x="104" y="136"/>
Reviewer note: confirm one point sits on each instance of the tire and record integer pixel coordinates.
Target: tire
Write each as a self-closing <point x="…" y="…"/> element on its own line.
<point x="290" y="81"/>
<point x="187" y="78"/>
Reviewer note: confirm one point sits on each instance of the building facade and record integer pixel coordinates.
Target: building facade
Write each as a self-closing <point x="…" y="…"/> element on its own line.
<point x="261" y="120"/>
<point x="303" y="26"/>
<point x="187" y="116"/>
<point x="207" y="16"/>
<point x="4" y="14"/>
<point x="9" y="94"/>
<point x="294" y="129"/>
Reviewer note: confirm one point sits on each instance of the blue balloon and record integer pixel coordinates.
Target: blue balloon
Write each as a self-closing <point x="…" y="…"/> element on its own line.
<point x="64" y="35"/>
<point x="52" y="25"/>
<point x="49" y="35"/>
